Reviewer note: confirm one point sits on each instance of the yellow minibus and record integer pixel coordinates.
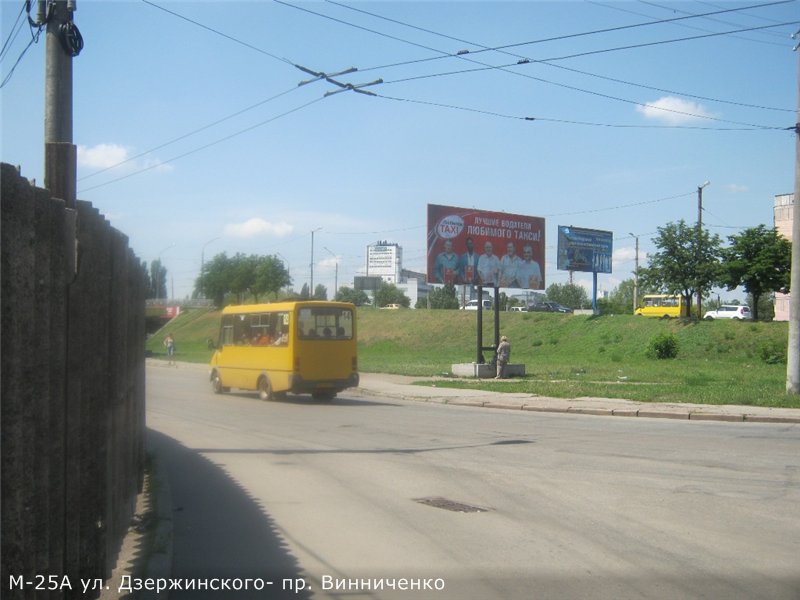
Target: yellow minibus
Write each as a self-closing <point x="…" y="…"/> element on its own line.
<point x="663" y="306"/>
<point x="299" y="347"/>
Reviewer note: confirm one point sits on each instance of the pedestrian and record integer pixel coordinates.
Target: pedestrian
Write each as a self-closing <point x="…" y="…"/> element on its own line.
<point x="503" y="356"/>
<point x="169" y="343"/>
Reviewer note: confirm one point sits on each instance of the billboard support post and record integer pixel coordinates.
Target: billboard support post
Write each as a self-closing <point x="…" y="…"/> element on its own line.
<point x="479" y="358"/>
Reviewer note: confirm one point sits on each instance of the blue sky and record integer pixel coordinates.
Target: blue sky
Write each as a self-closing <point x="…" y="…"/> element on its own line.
<point x="222" y="150"/>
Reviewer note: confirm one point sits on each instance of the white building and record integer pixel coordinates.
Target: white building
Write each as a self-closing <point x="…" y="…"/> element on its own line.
<point x="783" y="215"/>
<point x="385" y="260"/>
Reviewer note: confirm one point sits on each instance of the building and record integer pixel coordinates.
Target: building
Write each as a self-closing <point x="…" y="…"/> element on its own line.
<point x="385" y="260"/>
<point x="783" y="215"/>
<point x="385" y="265"/>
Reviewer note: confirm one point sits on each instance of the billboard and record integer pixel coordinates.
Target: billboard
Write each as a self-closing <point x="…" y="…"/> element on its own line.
<point x="493" y="249"/>
<point x="584" y="249"/>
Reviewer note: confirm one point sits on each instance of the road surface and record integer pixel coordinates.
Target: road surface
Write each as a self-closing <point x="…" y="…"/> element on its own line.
<point x="366" y="492"/>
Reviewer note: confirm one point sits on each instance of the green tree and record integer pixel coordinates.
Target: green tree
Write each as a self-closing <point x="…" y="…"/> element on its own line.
<point x="388" y="293"/>
<point x="687" y="260"/>
<point x="347" y="294"/>
<point x="568" y="294"/>
<point x="442" y="297"/>
<point x="320" y="292"/>
<point x="158" y="280"/>
<point x="270" y="276"/>
<point x="304" y="293"/>
<point x="620" y="300"/>
<point x="759" y="260"/>
<point x="214" y="281"/>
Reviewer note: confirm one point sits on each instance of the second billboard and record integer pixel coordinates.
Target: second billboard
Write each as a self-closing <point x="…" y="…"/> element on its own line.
<point x="493" y="249"/>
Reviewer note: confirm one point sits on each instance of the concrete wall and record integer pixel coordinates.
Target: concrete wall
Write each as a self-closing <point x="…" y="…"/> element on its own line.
<point x="72" y="404"/>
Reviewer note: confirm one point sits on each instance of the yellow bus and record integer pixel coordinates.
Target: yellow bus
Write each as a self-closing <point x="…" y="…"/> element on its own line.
<point x="663" y="306"/>
<point x="298" y="347"/>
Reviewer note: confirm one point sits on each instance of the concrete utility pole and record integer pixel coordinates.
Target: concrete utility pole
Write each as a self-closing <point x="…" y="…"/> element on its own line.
<point x="636" y="275"/>
<point x="699" y="237"/>
<point x="63" y="42"/>
<point x="793" y="350"/>
<point x="311" y="285"/>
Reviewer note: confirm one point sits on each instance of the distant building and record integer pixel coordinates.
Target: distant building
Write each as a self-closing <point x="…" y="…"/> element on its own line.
<point x="385" y="265"/>
<point x="783" y="215"/>
<point x="385" y="260"/>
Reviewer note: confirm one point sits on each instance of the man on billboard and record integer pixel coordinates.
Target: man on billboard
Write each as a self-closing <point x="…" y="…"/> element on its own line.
<point x="468" y="264"/>
<point x="529" y="274"/>
<point x="509" y="265"/>
<point x="446" y="267"/>
<point x="488" y="266"/>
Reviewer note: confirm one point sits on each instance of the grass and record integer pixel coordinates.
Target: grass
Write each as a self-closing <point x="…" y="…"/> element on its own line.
<point x="718" y="362"/>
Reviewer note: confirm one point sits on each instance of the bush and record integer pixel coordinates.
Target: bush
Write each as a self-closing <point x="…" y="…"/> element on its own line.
<point x="773" y="353"/>
<point x="663" y="345"/>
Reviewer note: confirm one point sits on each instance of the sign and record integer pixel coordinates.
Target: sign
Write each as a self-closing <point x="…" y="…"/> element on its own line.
<point x="586" y="250"/>
<point x="493" y="249"/>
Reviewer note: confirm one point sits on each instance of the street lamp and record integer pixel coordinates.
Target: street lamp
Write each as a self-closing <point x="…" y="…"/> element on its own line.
<point x="636" y="275"/>
<point x="699" y="234"/>
<point x="203" y="263"/>
<point x="336" y="272"/>
<point x="311" y="286"/>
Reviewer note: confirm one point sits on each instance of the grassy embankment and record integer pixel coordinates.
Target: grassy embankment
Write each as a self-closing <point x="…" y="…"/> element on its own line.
<point x="719" y="362"/>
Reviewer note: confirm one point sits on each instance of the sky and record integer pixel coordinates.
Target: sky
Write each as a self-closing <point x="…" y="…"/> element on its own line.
<point x="201" y="127"/>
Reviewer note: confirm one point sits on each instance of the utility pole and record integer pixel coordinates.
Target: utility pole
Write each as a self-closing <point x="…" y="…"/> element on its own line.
<point x="793" y="350"/>
<point x="699" y="237"/>
<point x="63" y="43"/>
<point x="311" y="285"/>
<point x="636" y="275"/>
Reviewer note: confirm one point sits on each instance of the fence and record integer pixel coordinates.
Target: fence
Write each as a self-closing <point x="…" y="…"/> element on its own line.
<point x="72" y="407"/>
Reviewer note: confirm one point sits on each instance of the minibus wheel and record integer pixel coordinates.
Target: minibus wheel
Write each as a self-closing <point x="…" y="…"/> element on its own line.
<point x="265" y="389"/>
<point x="216" y="383"/>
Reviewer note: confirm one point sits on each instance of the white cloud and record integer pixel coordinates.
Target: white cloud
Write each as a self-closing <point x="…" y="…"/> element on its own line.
<point x="257" y="226"/>
<point x="673" y="111"/>
<point x="101" y="156"/>
<point x="737" y="188"/>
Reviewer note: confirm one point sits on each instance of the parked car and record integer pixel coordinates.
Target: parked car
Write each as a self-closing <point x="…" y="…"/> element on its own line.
<point x="473" y="305"/>
<point x="391" y="307"/>
<point x="518" y="309"/>
<point x="549" y="307"/>
<point x="730" y="311"/>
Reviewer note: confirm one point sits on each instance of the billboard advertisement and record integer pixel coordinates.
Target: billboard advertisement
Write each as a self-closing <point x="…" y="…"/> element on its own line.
<point x="493" y="249"/>
<point x="584" y="249"/>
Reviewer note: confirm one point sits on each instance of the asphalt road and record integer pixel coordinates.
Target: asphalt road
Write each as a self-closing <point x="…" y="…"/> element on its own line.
<point x="490" y="503"/>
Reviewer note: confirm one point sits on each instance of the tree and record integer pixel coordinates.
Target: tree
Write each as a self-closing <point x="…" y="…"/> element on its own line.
<point x="304" y="293"/>
<point x="443" y="297"/>
<point x="687" y="260"/>
<point x="320" y="292"/>
<point x="759" y="260"/>
<point x="270" y="276"/>
<point x="158" y="280"/>
<point x="357" y="297"/>
<point x="620" y="300"/>
<point x="388" y="293"/>
<point x="568" y="294"/>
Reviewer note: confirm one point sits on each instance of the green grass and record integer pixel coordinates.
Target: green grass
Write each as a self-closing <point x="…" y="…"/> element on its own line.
<point x="718" y="362"/>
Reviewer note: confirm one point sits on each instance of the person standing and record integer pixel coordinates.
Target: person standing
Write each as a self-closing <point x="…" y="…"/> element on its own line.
<point x="503" y="356"/>
<point x="488" y="266"/>
<point x="169" y="343"/>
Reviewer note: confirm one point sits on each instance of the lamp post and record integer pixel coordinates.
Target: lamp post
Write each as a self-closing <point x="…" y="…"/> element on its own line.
<point x="311" y="285"/>
<point x="336" y="273"/>
<point x="203" y="264"/>
<point x="636" y="275"/>
<point x="699" y="236"/>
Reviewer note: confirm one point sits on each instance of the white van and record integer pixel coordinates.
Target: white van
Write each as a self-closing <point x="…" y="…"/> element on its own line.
<point x="473" y="305"/>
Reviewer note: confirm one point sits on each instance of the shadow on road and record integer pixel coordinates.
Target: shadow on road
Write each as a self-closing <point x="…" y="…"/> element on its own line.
<point x="219" y="531"/>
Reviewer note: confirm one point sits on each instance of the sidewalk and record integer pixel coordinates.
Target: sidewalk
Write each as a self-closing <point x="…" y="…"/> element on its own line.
<point x="399" y="386"/>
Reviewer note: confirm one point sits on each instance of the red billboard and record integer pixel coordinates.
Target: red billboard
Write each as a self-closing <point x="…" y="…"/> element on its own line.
<point x="493" y="249"/>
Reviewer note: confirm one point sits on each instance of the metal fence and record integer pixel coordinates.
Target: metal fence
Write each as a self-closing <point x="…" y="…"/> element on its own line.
<point x="73" y="392"/>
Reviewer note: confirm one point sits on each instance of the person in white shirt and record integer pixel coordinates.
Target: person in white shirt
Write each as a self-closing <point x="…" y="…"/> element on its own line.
<point x="488" y="266"/>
